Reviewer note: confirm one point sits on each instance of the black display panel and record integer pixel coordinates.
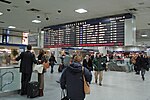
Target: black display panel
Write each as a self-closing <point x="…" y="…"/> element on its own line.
<point x="106" y="31"/>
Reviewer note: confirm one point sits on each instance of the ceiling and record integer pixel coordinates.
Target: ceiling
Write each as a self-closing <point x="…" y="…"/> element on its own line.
<point x="21" y="18"/>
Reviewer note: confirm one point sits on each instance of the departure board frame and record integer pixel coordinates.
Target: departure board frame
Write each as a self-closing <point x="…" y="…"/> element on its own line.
<point x="104" y="31"/>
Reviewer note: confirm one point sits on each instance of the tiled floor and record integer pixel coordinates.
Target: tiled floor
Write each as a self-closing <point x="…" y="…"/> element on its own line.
<point x="116" y="86"/>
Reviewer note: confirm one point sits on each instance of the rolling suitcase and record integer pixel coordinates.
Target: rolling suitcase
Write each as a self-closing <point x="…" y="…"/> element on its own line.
<point x="33" y="89"/>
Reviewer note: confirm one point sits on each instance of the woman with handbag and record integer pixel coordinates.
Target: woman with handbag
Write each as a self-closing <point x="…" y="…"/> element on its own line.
<point x="41" y="60"/>
<point x="72" y="79"/>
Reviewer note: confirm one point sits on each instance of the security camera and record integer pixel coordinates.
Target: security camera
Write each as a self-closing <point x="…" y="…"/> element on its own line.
<point x="38" y="16"/>
<point x="47" y="18"/>
<point x="8" y="9"/>
<point x="28" y="1"/>
<point x="59" y="11"/>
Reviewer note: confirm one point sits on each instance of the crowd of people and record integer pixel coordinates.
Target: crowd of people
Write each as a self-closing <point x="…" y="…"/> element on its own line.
<point x="73" y="68"/>
<point x="28" y="58"/>
<point x="141" y="63"/>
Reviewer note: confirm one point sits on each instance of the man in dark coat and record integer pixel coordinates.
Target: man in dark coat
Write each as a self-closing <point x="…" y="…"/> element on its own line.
<point x="87" y="62"/>
<point x="143" y="66"/>
<point x="52" y="61"/>
<point x="27" y="59"/>
<point x="72" y="80"/>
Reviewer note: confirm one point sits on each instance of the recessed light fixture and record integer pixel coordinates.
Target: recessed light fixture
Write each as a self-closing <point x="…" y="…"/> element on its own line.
<point x="11" y="27"/>
<point x="36" y="21"/>
<point x="144" y="35"/>
<point x="42" y="32"/>
<point x="81" y="10"/>
<point x="1" y="13"/>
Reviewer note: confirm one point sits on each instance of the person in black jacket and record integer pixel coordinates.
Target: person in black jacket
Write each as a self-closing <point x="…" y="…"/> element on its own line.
<point x="87" y="62"/>
<point x="143" y="66"/>
<point x="138" y="63"/>
<point x="52" y="61"/>
<point x="27" y="59"/>
<point x="72" y="80"/>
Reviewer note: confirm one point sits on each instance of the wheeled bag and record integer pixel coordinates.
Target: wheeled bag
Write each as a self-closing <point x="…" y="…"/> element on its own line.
<point x="33" y="89"/>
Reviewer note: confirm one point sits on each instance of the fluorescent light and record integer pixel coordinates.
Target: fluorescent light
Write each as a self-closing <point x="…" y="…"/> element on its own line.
<point x="144" y="35"/>
<point x="1" y="13"/>
<point x="42" y="32"/>
<point x="81" y="11"/>
<point x="11" y="27"/>
<point x="36" y="21"/>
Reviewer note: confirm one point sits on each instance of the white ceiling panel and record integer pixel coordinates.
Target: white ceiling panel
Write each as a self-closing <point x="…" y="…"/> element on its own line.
<point x="21" y="18"/>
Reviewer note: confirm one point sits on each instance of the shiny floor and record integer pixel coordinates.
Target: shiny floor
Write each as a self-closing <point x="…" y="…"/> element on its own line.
<point x="116" y="86"/>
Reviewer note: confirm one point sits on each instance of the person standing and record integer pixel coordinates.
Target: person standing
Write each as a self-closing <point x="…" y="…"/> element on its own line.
<point x="52" y="61"/>
<point x="67" y="59"/>
<point x="143" y="66"/>
<point x="87" y="62"/>
<point x="98" y="68"/>
<point x="27" y="59"/>
<point x="41" y="59"/>
<point x="138" y="64"/>
<point x="72" y="80"/>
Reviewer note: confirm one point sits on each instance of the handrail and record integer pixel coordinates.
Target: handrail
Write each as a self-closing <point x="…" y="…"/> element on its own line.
<point x="12" y="79"/>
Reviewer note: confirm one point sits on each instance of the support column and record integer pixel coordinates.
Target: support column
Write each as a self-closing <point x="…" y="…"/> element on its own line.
<point x="130" y="32"/>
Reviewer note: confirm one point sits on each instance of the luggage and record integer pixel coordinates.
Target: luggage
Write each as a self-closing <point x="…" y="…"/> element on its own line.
<point x="33" y="89"/>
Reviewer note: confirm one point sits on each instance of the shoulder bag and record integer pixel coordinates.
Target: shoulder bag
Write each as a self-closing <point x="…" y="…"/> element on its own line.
<point x="46" y="65"/>
<point x="86" y="84"/>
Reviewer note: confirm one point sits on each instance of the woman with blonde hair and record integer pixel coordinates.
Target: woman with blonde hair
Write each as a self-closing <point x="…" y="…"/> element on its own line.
<point x="72" y="80"/>
<point x="41" y="59"/>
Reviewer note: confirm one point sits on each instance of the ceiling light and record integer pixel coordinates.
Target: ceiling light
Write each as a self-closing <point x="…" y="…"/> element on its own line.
<point x="81" y="11"/>
<point x="11" y="27"/>
<point x="36" y="21"/>
<point x="1" y="13"/>
<point x="144" y="35"/>
<point x="42" y="32"/>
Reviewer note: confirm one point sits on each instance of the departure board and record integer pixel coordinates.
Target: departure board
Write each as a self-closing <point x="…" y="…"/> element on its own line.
<point x="106" y="31"/>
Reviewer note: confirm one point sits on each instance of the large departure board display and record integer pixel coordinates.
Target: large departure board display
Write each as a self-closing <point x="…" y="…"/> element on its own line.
<point x="105" y="31"/>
